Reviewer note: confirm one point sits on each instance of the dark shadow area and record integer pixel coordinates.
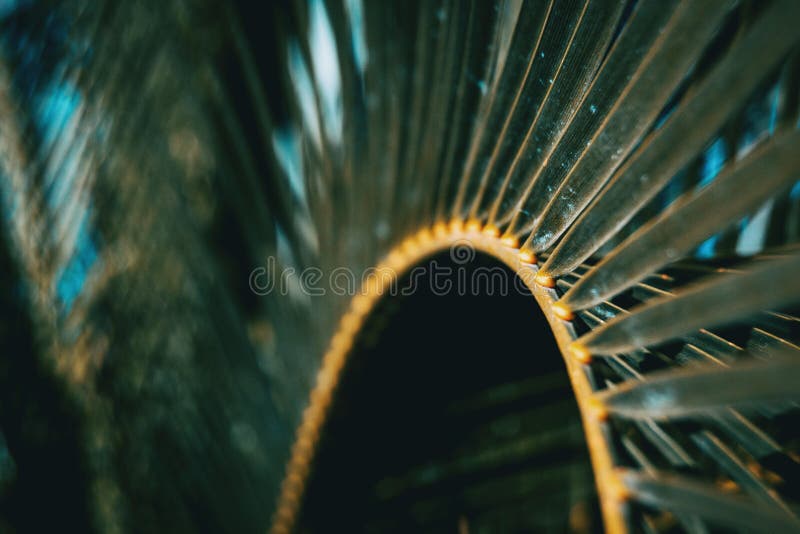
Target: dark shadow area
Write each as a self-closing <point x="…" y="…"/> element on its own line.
<point x="455" y="414"/>
<point x="43" y="471"/>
